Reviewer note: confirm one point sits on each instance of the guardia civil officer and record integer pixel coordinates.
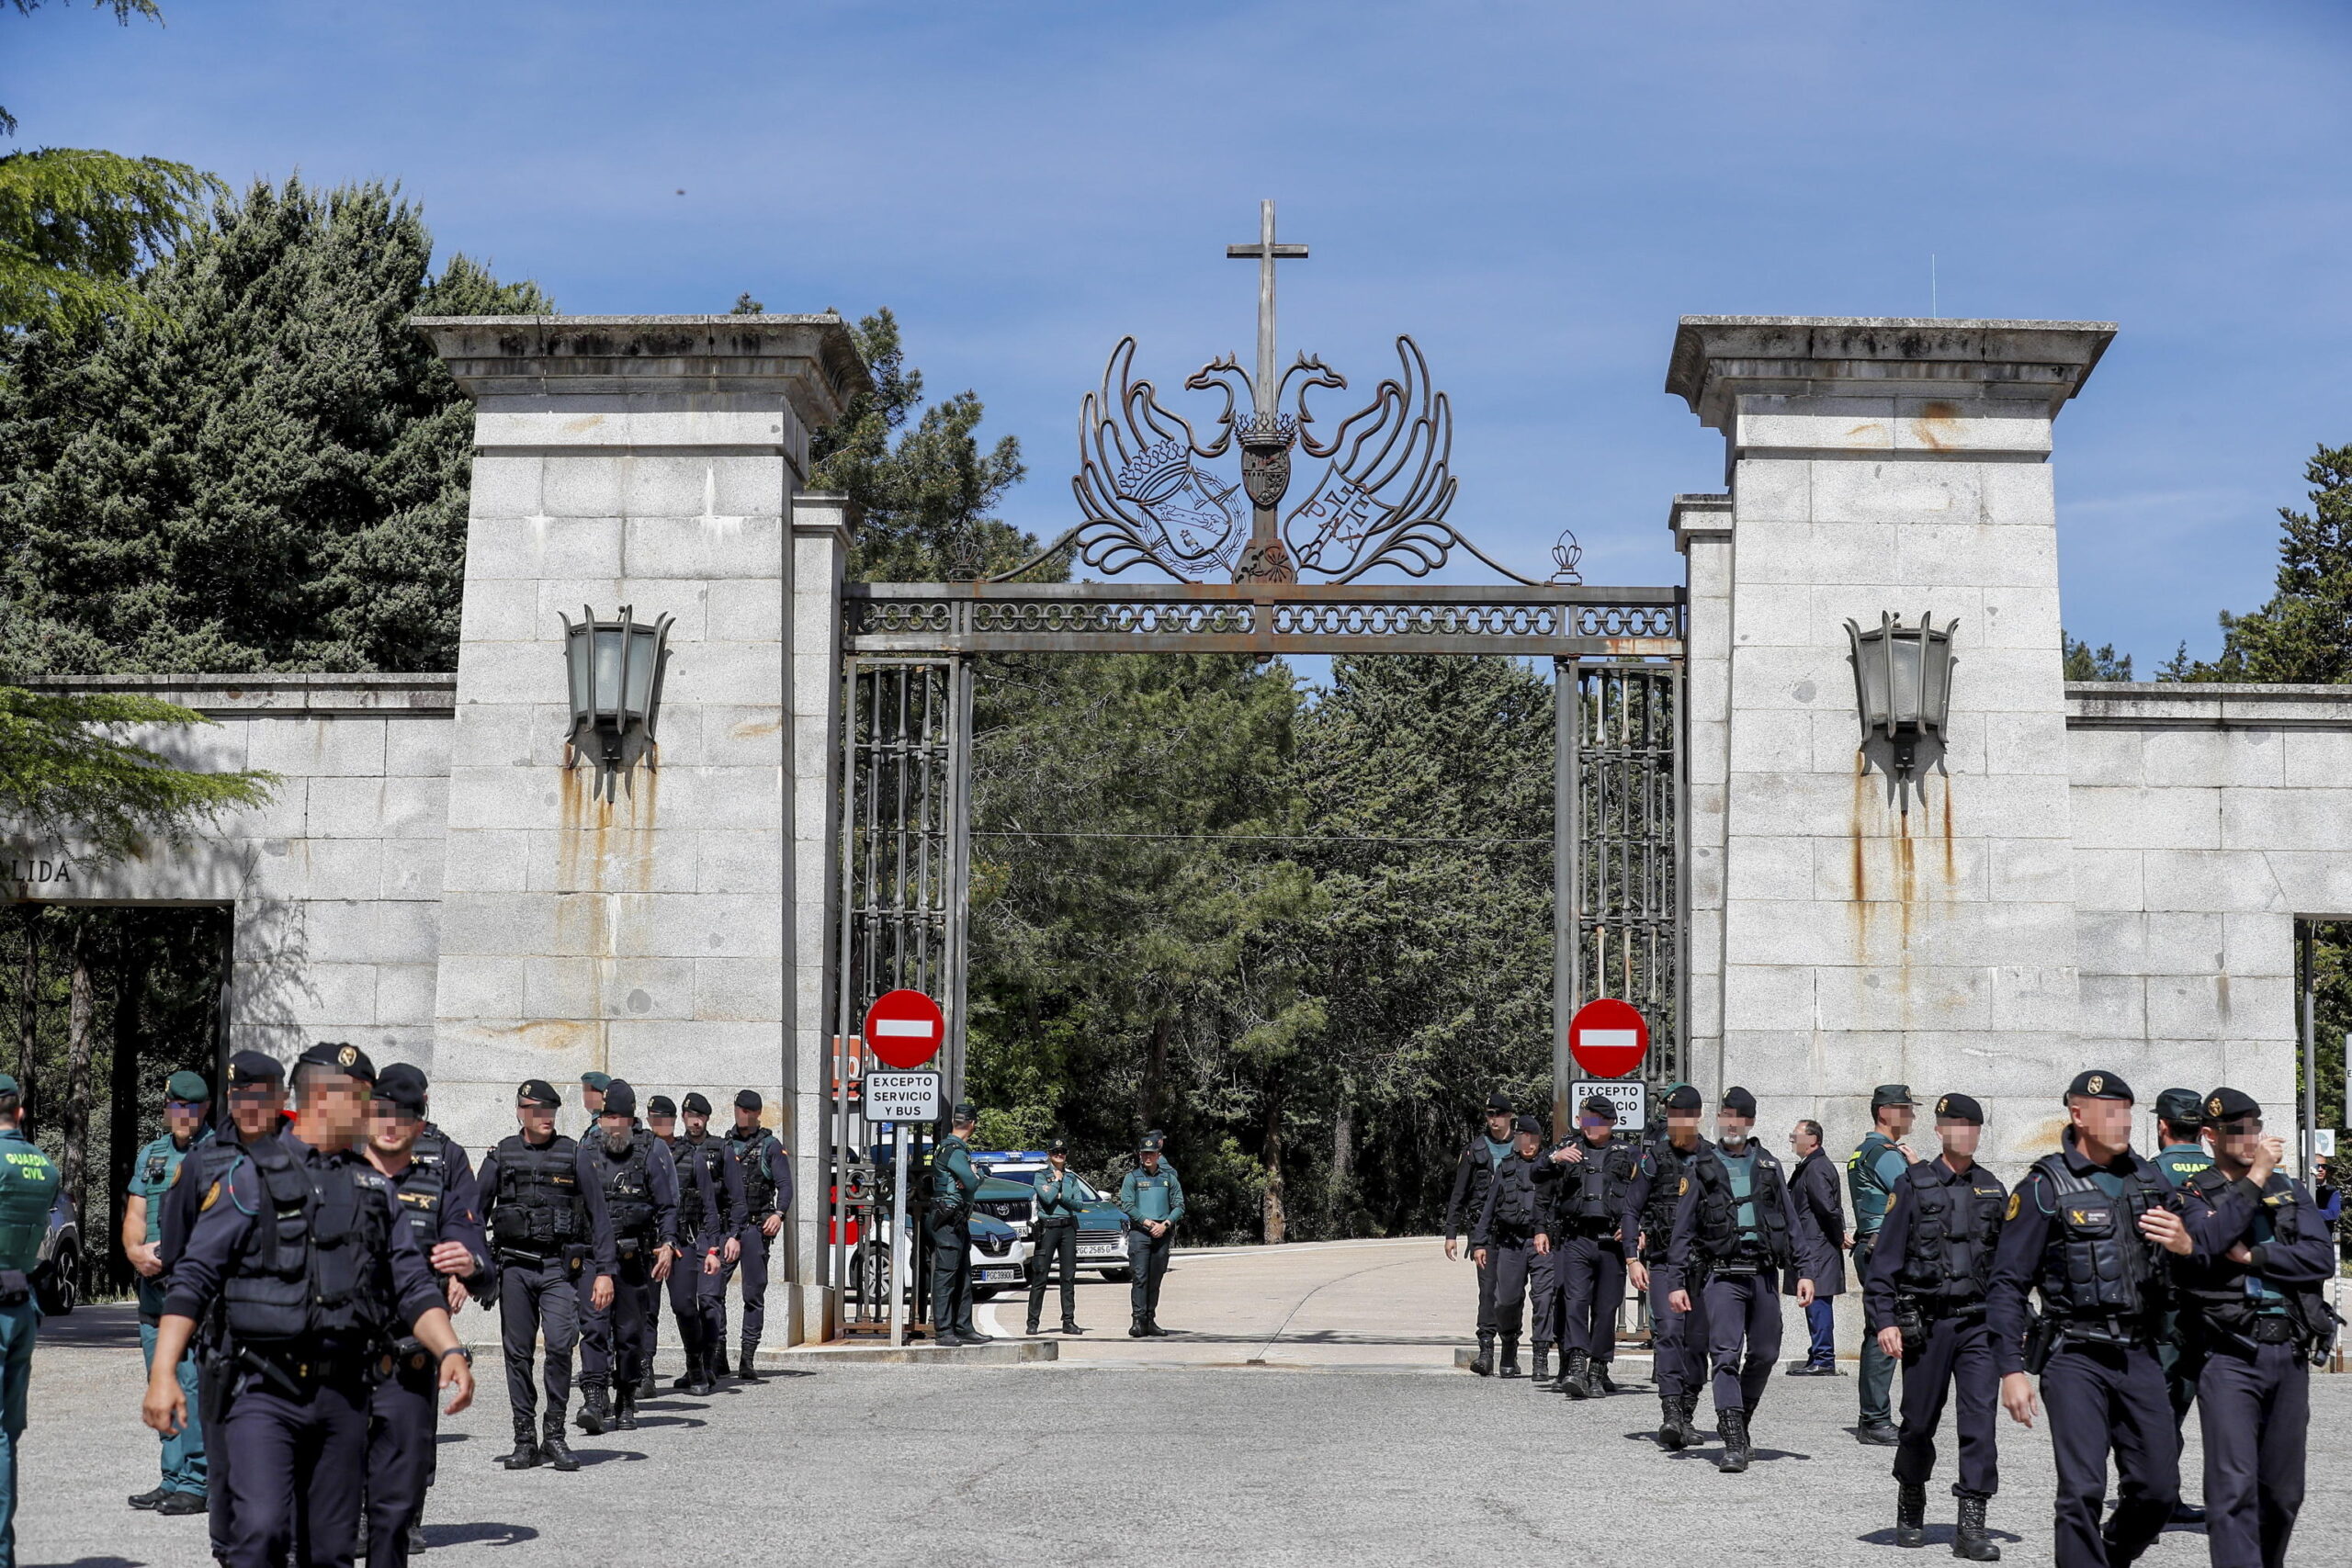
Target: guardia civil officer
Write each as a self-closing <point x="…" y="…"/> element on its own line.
<point x="2180" y="1154"/>
<point x="1591" y="1181"/>
<point x="1152" y="1198"/>
<point x="763" y="1168"/>
<point x="28" y="1184"/>
<point x="1871" y="1173"/>
<point x="947" y="1227"/>
<point x="1821" y="1248"/>
<point x="710" y="1219"/>
<point x="257" y="1084"/>
<point x="152" y="1171"/>
<point x="591" y="1100"/>
<point x="1053" y="1236"/>
<point x="303" y="1243"/>
<point x="547" y="1227"/>
<point x="2253" y="1286"/>
<point x="434" y="1181"/>
<point x="1924" y="1301"/>
<point x="1472" y="1174"/>
<point x="1509" y="1234"/>
<point x="633" y="1171"/>
<point x="1677" y="1333"/>
<point x="2090" y="1229"/>
<point x="1734" y="1233"/>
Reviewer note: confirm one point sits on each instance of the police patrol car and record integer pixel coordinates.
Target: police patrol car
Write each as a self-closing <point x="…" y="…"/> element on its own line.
<point x="1009" y="1195"/>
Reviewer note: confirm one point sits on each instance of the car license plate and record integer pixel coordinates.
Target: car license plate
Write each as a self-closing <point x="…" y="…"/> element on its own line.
<point x="1102" y="1250"/>
<point x="990" y="1276"/>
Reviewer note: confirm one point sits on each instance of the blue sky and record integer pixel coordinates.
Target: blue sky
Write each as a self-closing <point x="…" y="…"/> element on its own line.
<point x="1535" y="191"/>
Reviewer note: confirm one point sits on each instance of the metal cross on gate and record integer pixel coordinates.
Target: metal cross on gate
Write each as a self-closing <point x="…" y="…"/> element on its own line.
<point x="1265" y="252"/>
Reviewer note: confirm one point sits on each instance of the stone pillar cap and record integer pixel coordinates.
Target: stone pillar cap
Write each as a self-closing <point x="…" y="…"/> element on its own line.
<point x="1717" y="358"/>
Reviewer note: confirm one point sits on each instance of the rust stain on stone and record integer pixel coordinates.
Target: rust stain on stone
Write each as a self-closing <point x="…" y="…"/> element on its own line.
<point x="1950" y="877"/>
<point x="1858" y="905"/>
<point x="1934" y="425"/>
<point x="752" y="729"/>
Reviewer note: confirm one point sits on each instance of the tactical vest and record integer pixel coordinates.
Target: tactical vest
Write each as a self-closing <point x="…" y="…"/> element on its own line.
<point x="629" y="1193"/>
<point x="304" y="1275"/>
<point x="2222" y="1303"/>
<point x="28" y="1182"/>
<point x="2096" y="1263"/>
<point x="1666" y="1166"/>
<point x="750" y="1155"/>
<point x="1954" y="1227"/>
<point x="693" y="1212"/>
<point x="206" y="1163"/>
<point x="425" y="1186"/>
<point x="1511" y="1204"/>
<point x="1869" y="1191"/>
<point x="1592" y="1191"/>
<point x="1720" y="1238"/>
<point x="539" y="1207"/>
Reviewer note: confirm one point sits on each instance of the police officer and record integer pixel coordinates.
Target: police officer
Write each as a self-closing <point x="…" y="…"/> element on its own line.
<point x="1734" y="1231"/>
<point x="1591" y="1180"/>
<point x="1821" y="1248"/>
<point x="2180" y="1154"/>
<point x="547" y="1227"/>
<point x="633" y="1170"/>
<point x="1152" y="1197"/>
<point x="2090" y="1229"/>
<point x="152" y="1171"/>
<point x="256" y="1085"/>
<point x="591" y="1100"/>
<point x="710" y="1216"/>
<point x="764" y="1166"/>
<point x="947" y="1227"/>
<point x="303" y="1243"/>
<point x="1053" y="1236"/>
<point x="1509" y="1234"/>
<point x="1871" y="1171"/>
<point x="1924" y="1300"/>
<point x="434" y="1181"/>
<point x="1472" y="1174"/>
<point x="28" y="1184"/>
<point x="2252" y="1286"/>
<point x="1678" y="1333"/>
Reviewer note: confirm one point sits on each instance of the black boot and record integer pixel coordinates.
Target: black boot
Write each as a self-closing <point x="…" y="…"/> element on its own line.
<point x="1596" y="1378"/>
<point x="1032" y="1330"/>
<point x="557" y="1452"/>
<point x="1135" y="1329"/>
<point x="1689" y="1405"/>
<point x="1541" y="1368"/>
<point x="1971" y="1541"/>
<point x="1511" y="1359"/>
<point x="595" y="1417"/>
<point x="1572" y="1376"/>
<point x="646" y="1387"/>
<point x="1733" y="1425"/>
<point x="416" y="1542"/>
<point x="715" y="1362"/>
<point x="691" y="1381"/>
<point x="1670" y="1426"/>
<point x="747" y="1366"/>
<point x="625" y="1408"/>
<point x="1910" y="1514"/>
<point x="526" y="1450"/>
<point x="1483" y="1363"/>
<point x="1070" y="1326"/>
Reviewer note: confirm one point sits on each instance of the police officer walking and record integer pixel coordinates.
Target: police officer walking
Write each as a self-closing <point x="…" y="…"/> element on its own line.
<point x="1733" y="1231"/>
<point x="632" y="1169"/>
<point x="1472" y="1175"/>
<point x="763" y="1167"/>
<point x="2090" y="1229"/>
<point x="152" y="1171"/>
<point x="1053" y="1236"/>
<point x="434" y="1182"/>
<point x="947" y="1226"/>
<point x="1821" y="1248"/>
<point x="1871" y="1171"/>
<point x="1509" y="1234"/>
<point x="1591" y="1181"/>
<point x="710" y="1219"/>
<point x="2180" y="1154"/>
<point x="1153" y="1199"/>
<point x="1924" y="1300"/>
<point x="28" y="1184"/>
<point x="303" y="1242"/>
<point x="2253" y="1286"/>
<point x="547" y="1226"/>
<point x="1677" y="1333"/>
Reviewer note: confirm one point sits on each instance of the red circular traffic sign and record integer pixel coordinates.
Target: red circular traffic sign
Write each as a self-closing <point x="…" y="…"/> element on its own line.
<point x="905" y="1028"/>
<point x="1608" y="1038"/>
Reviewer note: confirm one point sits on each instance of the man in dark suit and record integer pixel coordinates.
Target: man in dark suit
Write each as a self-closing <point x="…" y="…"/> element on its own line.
<point x="1821" y="1245"/>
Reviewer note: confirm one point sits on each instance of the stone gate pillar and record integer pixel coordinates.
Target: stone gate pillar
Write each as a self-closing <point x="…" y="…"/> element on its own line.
<point x="1881" y="466"/>
<point x="659" y="462"/>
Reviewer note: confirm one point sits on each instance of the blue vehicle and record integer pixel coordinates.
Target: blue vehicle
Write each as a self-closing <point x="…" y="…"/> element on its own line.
<point x="1008" y="1196"/>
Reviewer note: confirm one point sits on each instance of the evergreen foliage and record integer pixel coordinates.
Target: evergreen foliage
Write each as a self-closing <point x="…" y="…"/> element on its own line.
<point x="67" y="769"/>
<point x="2083" y="662"/>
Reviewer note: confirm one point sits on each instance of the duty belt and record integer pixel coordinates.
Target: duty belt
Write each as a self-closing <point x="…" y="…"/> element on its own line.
<point x="2274" y="1328"/>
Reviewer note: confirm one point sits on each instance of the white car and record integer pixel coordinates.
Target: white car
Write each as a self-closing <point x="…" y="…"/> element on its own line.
<point x="1102" y="1231"/>
<point x="999" y="1259"/>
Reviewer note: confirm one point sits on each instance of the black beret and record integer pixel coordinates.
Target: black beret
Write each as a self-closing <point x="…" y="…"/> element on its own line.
<point x="403" y="1085"/>
<point x="2096" y="1083"/>
<point x="2227" y="1105"/>
<point x="1601" y="1105"/>
<point x="747" y="1100"/>
<point x="1888" y="1094"/>
<point x="619" y="1099"/>
<point x="699" y="1104"/>
<point x="1684" y="1096"/>
<point x="250" y="1067"/>
<point x="347" y="1059"/>
<point x="2180" y="1107"/>
<point x="1960" y="1108"/>
<point x="1498" y="1105"/>
<point x="539" y="1092"/>
<point x="661" y="1105"/>
<point x="1528" y="1124"/>
<point x="1738" y="1102"/>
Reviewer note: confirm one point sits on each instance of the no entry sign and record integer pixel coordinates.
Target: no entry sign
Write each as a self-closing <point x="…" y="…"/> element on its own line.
<point x="1608" y="1038"/>
<point x="905" y="1028"/>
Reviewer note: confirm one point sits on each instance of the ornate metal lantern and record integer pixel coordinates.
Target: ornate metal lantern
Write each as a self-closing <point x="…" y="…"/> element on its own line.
<point x="1903" y="686"/>
<point x="614" y="668"/>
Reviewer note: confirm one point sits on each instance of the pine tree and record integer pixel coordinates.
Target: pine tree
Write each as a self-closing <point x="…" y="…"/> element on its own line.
<point x="2084" y="662"/>
<point x="2303" y="635"/>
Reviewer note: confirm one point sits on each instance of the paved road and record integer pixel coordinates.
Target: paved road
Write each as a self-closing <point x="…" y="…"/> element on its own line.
<point x="1115" y="1462"/>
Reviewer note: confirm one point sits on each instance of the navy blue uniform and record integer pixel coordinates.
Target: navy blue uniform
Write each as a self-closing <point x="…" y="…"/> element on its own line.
<point x="639" y="1190"/>
<point x="1928" y="1276"/>
<point x="297" y="1425"/>
<point x="548" y="1228"/>
<point x="1585" y="1207"/>
<point x="2072" y="1233"/>
<point x="710" y="1210"/>
<point x="1735" y="1265"/>
<point x="764" y="1172"/>
<point x="206" y="1164"/>
<point x="1506" y="1230"/>
<point x="1678" y="1339"/>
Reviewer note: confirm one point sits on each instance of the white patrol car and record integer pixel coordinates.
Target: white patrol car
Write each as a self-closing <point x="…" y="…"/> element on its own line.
<point x="1102" y="1229"/>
